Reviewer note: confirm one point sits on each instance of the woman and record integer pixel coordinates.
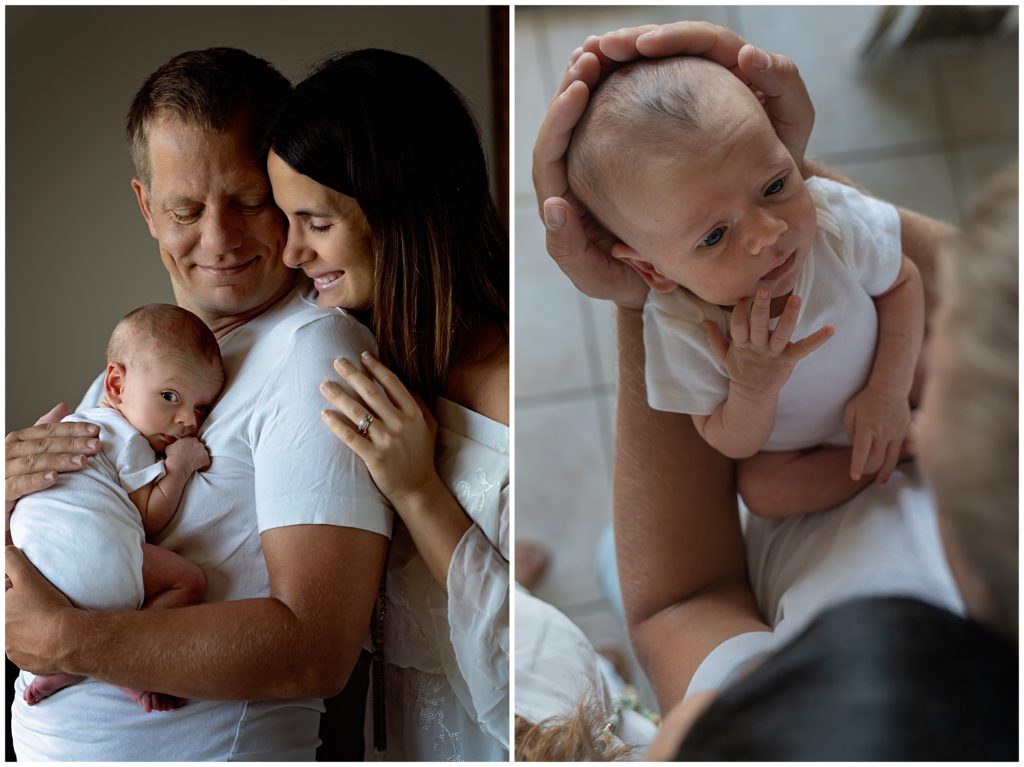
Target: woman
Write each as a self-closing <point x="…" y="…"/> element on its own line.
<point x="377" y="165"/>
<point x="665" y="603"/>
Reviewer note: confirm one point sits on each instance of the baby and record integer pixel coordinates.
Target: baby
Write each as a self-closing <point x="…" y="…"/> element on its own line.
<point x="783" y="316"/>
<point x="87" y="533"/>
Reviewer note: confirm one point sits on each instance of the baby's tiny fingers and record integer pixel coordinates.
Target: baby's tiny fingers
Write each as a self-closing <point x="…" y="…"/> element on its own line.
<point x="812" y="343"/>
<point x="785" y="326"/>
<point x="760" y="317"/>
<point x="739" y="323"/>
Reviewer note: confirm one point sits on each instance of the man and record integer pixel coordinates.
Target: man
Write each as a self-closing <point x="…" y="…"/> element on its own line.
<point x="286" y="523"/>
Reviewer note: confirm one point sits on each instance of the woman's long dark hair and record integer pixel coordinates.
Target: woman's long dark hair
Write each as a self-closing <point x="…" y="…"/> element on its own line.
<point x="391" y="132"/>
<point x="875" y="679"/>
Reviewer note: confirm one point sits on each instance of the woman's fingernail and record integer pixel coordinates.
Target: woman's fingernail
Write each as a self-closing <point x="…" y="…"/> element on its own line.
<point x="554" y="216"/>
<point x="366" y="355"/>
<point x="343" y="365"/>
<point x="324" y="387"/>
<point x="50" y="476"/>
<point x="761" y="59"/>
<point x="78" y="460"/>
<point x="92" y="444"/>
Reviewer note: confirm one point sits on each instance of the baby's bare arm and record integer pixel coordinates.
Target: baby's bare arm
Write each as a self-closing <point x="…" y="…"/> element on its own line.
<point x="877" y="418"/>
<point x="158" y="501"/>
<point x="795" y="482"/>
<point x="758" y="361"/>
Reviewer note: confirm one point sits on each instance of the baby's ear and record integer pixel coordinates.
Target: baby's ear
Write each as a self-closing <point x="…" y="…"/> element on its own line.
<point x="655" y="280"/>
<point x="113" y="382"/>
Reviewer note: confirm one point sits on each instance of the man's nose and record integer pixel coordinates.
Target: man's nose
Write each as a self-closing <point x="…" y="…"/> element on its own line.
<point x="762" y="230"/>
<point x="222" y="231"/>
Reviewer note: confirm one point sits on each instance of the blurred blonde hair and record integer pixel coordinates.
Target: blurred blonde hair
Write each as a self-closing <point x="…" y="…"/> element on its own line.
<point x="575" y="737"/>
<point x="974" y="472"/>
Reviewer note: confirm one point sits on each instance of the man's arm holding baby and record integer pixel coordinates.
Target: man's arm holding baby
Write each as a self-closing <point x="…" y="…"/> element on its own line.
<point x="158" y="501"/>
<point x="301" y="641"/>
<point x="758" y="361"/>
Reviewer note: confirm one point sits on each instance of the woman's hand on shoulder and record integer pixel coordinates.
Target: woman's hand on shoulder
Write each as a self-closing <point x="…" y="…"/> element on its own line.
<point x="387" y="426"/>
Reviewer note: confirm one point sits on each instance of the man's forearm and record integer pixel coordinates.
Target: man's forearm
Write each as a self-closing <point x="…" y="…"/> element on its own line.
<point x="682" y="562"/>
<point x="302" y="641"/>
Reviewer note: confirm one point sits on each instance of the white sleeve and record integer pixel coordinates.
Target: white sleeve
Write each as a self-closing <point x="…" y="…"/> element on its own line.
<point x="136" y="462"/>
<point x="681" y="371"/>
<point x="730" y="660"/>
<point x="870" y="235"/>
<point x="478" y="614"/>
<point x="304" y="474"/>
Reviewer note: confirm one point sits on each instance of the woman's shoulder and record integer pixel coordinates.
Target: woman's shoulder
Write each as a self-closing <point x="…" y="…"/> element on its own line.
<point x="479" y="381"/>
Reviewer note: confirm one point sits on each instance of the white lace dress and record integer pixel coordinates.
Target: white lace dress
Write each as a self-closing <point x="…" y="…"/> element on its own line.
<point x="448" y="657"/>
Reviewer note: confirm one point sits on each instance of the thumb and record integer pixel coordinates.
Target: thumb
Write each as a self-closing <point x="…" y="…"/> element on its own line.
<point x="564" y="236"/>
<point x="15" y="565"/>
<point x="59" y="412"/>
<point x="786" y="99"/>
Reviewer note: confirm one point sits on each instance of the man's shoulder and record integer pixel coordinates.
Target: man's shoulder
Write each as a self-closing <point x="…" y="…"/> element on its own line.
<point x="300" y="319"/>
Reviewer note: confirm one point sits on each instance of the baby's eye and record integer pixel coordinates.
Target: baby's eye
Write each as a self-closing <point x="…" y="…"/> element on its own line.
<point x="775" y="187"/>
<point x="170" y="396"/>
<point x="203" y="410"/>
<point x="714" y="237"/>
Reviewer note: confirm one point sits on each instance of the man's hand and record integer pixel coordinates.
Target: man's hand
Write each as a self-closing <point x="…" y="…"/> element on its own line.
<point x="580" y="247"/>
<point x="33" y="609"/>
<point x="758" y="360"/>
<point x="36" y="455"/>
<point x="188" y="454"/>
<point x="877" y="420"/>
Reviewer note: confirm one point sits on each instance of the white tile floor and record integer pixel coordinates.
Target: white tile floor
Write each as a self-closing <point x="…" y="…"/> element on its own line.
<point x="924" y="132"/>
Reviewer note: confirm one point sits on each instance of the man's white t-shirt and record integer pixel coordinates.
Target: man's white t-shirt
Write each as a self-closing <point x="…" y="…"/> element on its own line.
<point x="274" y="464"/>
<point x="882" y="542"/>
<point x="856" y="255"/>
<point x="84" y="533"/>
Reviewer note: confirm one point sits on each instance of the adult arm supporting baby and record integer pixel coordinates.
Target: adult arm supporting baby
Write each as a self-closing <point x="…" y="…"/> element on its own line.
<point x="302" y="641"/>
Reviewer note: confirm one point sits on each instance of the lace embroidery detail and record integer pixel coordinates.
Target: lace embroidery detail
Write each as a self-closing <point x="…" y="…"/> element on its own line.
<point x="429" y="709"/>
<point x="473" y="502"/>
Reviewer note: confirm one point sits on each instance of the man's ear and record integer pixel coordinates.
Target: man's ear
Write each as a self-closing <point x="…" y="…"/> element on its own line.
<point x="649" y="272"/>
<point x="143" y="197"/>
<point x="113" y="382"/>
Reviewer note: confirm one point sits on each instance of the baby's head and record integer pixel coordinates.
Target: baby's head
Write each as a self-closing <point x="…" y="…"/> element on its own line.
<point x="164" y="372"/>
<point x="677" y="158"/>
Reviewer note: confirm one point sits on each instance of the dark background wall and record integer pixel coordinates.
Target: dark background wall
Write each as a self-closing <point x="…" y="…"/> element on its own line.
<point x="78" y="254"/>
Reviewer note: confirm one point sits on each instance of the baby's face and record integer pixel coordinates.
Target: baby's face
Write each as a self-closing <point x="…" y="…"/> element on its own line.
<point x="723" y="216"/>
<point x="169" y="398"/>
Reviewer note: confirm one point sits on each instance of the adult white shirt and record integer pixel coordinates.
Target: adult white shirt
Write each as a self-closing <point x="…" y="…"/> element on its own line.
<point x="882" y="542"/>
<point x="273" y="464"/>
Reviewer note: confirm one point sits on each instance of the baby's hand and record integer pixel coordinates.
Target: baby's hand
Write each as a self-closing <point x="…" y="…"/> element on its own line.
<point x="876" y="419"/>
<point x="758" y="360"/>
<point x="188" y="453"/>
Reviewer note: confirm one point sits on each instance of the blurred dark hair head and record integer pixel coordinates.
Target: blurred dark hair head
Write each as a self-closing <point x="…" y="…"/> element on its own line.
<point x="874" y="679"/>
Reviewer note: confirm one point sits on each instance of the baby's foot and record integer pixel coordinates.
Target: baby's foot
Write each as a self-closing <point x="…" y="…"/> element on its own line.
<point x="44" y="686"/>
<point x="153" y="701"/>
